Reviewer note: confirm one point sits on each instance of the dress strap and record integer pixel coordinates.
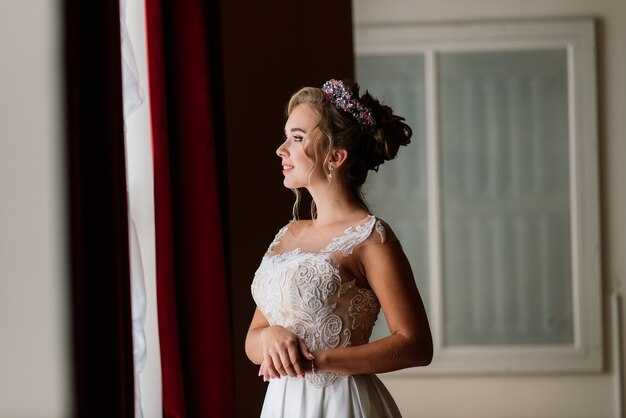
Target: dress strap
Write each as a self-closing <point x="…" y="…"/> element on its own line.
<point x="351" y="237"/>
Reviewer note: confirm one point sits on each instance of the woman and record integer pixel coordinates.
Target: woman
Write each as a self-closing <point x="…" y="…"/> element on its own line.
<point x="322" y="282"/>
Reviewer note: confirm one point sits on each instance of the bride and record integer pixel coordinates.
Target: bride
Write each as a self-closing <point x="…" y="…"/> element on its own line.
<point x="322" y="282"/>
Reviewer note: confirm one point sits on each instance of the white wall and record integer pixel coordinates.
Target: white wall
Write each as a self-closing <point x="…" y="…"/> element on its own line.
<point x="566" y="396"/>
<point x="34" y="350"/>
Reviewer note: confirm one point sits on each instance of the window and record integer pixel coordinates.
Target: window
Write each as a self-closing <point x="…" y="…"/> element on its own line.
<point x="496" y="199"/>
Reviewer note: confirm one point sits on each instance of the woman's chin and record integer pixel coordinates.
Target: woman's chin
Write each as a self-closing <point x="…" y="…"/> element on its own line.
<point x="292" y="183"/>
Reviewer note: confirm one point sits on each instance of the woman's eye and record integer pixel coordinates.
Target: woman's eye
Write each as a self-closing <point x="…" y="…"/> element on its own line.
<point x="297" y="138"/>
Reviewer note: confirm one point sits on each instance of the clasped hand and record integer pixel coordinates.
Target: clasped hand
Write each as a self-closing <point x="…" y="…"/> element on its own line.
<point x="283" y="354"/>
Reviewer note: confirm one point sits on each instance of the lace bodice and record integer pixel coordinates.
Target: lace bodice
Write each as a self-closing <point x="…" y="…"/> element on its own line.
<point x="313" y="296"/>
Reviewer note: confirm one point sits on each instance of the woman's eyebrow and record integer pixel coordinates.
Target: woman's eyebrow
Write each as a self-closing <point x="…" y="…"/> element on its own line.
<point x="297" y="130"/>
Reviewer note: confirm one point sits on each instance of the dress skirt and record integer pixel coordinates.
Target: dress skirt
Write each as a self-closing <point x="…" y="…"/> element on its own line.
<point x="359" y="396"/>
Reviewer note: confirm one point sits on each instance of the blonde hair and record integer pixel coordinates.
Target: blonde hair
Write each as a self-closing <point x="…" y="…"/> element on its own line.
<point x="367" y="148"/>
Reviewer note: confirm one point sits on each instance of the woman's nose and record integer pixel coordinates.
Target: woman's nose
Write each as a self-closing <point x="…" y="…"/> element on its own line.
<point x="281" y="151"/>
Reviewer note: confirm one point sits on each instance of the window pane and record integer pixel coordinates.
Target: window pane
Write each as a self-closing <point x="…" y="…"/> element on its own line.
<point x="397" y="193"/>
<point x="505" y="198"/>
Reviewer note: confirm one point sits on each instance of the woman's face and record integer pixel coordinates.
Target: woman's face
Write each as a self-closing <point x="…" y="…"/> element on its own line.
<point x="300" y="137"/>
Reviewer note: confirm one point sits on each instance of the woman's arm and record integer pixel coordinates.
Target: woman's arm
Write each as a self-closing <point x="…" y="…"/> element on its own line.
<point x="390" y="277"/>
<point x="277" y="349"/>
<point x="254" y="349"/>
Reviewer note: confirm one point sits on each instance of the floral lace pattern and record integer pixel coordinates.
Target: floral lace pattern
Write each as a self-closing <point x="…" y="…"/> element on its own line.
<point x="305" y="293"/>
<point x="364" y="309"/>
<point x="351" y="237"/>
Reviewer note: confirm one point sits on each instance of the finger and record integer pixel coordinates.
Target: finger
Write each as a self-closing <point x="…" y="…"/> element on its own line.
<point x="278" y="365"/>
<point x="270" y="370"/>
<point x="264" y="373"/>
<point x="286" y="362"/>
<point x="305" y="350"/>
<point x="294" y="356"/>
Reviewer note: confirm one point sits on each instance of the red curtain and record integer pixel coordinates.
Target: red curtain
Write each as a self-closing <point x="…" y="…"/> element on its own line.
<point x="100" y="277"/>
<point x="194" y="319"/>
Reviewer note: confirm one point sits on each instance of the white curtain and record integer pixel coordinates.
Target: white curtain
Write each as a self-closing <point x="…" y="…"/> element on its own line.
<point x="133" y="99"/>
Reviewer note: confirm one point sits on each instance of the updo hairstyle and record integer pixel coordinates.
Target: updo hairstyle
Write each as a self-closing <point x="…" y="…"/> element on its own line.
<point x="367" y="147"/>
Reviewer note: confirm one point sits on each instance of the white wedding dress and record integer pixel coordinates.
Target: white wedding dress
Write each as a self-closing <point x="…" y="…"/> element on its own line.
<point x="313" y="289"/>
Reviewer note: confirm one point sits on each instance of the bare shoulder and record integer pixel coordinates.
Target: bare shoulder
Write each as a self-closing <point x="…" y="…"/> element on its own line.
<point x="383" y="260"/>
<point x="381" y="248"/>
<point x="298" y="227"/>
<point x="382" y="233"/>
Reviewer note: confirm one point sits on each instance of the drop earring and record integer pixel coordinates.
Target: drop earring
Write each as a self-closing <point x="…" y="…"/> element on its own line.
<point x="331" y="170"/>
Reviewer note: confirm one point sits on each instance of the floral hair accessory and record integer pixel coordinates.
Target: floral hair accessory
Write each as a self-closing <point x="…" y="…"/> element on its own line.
<point x="339" y="95"/>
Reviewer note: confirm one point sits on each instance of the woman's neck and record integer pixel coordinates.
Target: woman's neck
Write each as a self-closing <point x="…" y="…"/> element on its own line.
<point x="335" y="204"/>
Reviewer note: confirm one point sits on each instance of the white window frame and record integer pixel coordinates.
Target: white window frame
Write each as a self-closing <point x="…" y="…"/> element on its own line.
<point x="577" y="38"/>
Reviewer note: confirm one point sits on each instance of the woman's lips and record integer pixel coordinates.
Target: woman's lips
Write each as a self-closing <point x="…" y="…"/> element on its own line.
<point x="286" y="168"/>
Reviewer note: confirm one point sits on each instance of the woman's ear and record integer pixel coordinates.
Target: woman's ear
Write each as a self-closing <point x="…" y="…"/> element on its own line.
<point x="338" y="157"/>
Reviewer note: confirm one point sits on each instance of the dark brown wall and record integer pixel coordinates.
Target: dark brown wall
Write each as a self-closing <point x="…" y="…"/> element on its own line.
<point x="269" y="49"/>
